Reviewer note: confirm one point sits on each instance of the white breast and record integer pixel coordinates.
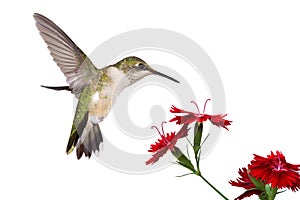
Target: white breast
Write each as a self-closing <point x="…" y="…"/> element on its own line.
<point x="119" y="81"/>
<point x="102" y="101"/>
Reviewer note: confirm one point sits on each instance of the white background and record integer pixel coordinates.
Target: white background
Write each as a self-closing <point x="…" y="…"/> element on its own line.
<point x="255" y="46"/>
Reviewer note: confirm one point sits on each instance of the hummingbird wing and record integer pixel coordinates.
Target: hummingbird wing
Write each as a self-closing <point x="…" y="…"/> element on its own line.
<point x="76" y="66"/>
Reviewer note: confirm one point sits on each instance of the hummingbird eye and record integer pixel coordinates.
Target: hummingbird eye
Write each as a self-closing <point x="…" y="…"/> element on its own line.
<point x="141" y="66"/>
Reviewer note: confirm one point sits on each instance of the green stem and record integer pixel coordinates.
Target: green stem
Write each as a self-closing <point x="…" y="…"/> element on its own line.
<point x="206" y="181"/>
<point x="197" y="162"/>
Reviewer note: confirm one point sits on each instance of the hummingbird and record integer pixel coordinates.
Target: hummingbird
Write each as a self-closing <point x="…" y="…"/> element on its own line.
<point x="96" y="89"/>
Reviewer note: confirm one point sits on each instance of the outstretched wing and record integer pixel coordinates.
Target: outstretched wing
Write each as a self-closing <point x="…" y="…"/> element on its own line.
<point x="76" y="66"/>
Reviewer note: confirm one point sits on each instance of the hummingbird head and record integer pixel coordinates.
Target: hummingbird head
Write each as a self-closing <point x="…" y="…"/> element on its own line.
<point x="136" y="69"/>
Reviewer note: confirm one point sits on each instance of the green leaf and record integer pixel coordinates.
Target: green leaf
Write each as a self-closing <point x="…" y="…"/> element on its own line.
<point x="184" y="175"/>
<point x="196" y="149"/>
<point x="268" y="189"/>
<point x="281" y="191"/>
<point x="271" y="192"/>
<point x="198" y="129"/>
<point x="182" y="159"/>
<point x="258" y="183"/>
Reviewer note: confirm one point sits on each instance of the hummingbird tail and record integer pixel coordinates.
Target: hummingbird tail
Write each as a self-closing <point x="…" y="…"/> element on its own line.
<point x="86" y="137"/>
<point x="90" y="143"/>
<point x="57" y="87"/>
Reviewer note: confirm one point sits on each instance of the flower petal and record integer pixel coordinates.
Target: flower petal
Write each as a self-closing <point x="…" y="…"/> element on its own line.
<point x="187" y="119"/>
<point x="248" y="193"/>
<point x="203" y="118"/>
<point x="219" y="121"/>
<point x="174" y="109"/>
<point x="183" y="132"/>
<point x="243" y="181"/>
<point x="155" y="157"/>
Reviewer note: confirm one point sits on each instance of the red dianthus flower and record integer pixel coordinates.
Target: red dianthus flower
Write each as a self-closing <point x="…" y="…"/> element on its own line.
<point x="217" y="120"/>
<point x="274" y="170"/>
<point x="167" y="142"/>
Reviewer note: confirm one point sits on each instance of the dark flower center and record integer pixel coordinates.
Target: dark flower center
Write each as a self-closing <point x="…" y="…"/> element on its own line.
<point x="279" y="165"/>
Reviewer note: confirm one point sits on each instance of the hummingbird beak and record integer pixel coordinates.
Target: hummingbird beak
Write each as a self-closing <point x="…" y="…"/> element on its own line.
<point x="163" y="75"/>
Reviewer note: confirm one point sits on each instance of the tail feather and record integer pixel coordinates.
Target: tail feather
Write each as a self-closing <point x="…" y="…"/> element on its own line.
<point x="57" y="87"/>
<point x="86" y="138"/>
<point x="97" y="137"/>
<point x="90" y="143"/>
<point x="76" y="133"/>
<point x="80" y="150"/>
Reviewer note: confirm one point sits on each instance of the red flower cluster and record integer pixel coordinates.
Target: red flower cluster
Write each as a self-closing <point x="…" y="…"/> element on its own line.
<point x="273" y="170"/>
<point x="167" y="142"/>
<point x="217" y="120"/>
